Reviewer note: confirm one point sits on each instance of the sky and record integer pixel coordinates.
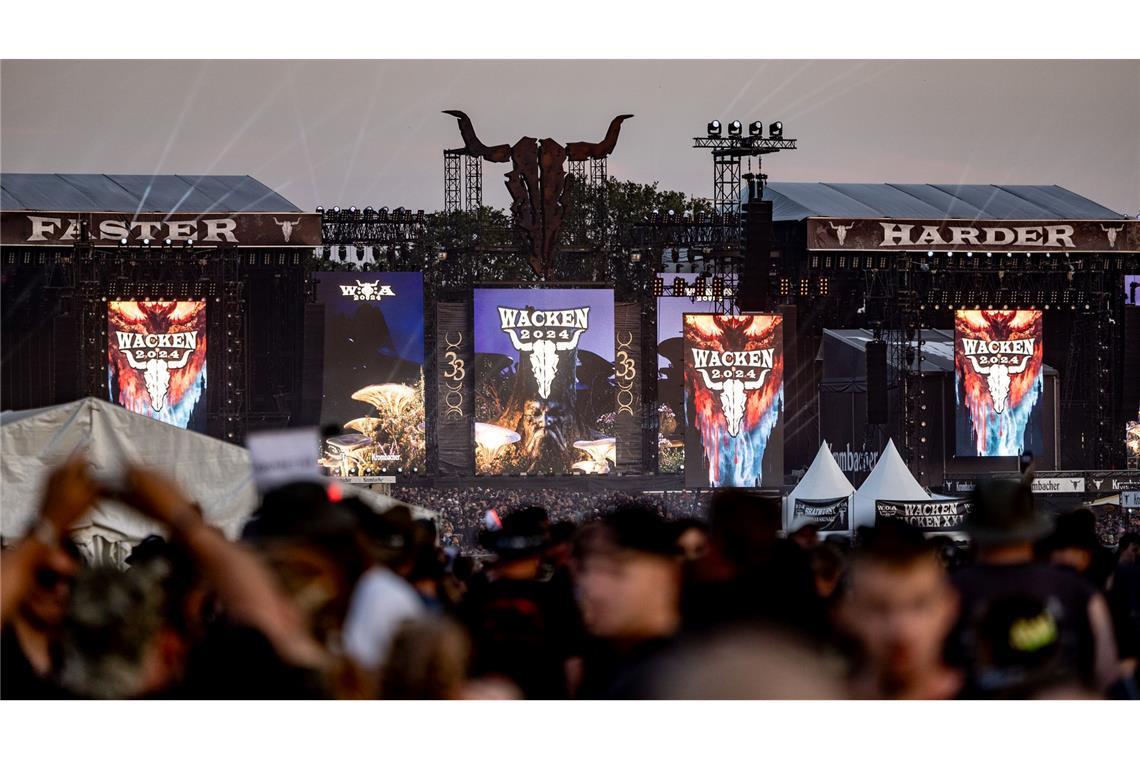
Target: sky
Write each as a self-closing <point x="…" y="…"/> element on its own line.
<point x="371" y="132"/>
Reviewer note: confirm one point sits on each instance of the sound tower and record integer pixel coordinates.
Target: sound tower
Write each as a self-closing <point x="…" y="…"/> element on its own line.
<point x="312" y="364"/>
<point x="876" y="382"/>
<point x="753" y="285"/>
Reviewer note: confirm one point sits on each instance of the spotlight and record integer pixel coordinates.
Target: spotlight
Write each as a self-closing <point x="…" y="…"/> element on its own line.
<point x="714" y="128"/>
<point x="122" y="241"/>
<point x="320" y="209"/>
<point x="336" y="209"/>
<point x="776" y="130"/>
<point x="166" y="242"/>
<point x="735" y="128"/>
<point x="146" y="242"/>
<point x="756" y="129"/>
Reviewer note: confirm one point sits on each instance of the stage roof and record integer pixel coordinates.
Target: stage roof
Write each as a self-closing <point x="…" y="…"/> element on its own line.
<point x="139" y="193"/>
<point x="795" y="201"/>
<point x="843" y="353"/>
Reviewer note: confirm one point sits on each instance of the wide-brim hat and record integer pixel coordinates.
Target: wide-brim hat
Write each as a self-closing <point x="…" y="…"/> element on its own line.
<point x="1003" y="512"/>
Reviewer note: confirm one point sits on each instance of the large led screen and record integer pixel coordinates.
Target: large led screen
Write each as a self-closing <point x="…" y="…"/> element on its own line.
<point x="734" y="400"/>
<point x="156" y="359"/>
<point x="998" y="385"/>
<point x="373" y="372"/>
<point x="544" y="381"/>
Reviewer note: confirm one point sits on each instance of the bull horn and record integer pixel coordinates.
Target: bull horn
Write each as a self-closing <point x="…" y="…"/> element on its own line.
<point x="580" y="151"/>
<point x="494" y="153"/>
<point x="716" y="386"/>
<point x="979" y="368"/>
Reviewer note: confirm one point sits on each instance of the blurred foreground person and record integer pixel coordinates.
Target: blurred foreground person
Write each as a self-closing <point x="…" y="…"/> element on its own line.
<point x="900" y="606"/>
<point x="428" y="659"/>
<point x="629" y="583"/>
<point x="1026" y="628"/>
<point x="692" y="538"/>
<point x="522" y="626"/>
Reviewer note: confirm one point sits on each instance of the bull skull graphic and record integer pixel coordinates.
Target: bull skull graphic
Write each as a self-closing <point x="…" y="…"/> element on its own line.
<point x="544" y="356"/>
<point x="732" y="396"/>
<point x="156" y="375"/>
<point x="538" y="183"/>
<point x="287" y="227"/>
<point x="997" y="379"/>
<point x="368" y="289"/>
<point x="841" y="231"/>
<point x="1111" y="233"/>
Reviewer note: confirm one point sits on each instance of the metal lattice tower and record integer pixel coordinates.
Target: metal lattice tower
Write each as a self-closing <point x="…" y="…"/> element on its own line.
<point x="578" y="172"/>
<point x="598" y="175"/>
<point x="452" y="184"/>
<point x="473" y="183"/>
<point x="726" y="183"/>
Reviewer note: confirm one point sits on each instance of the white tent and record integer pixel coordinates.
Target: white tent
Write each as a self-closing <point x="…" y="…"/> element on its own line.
<point x="215" y="474"/>
<point x="823" y="480"/>
<point x="889" y="480"/>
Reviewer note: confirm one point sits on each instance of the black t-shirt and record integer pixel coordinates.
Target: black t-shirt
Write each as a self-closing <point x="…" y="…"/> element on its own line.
<point x="628" y="673"/>
<point x="524" y="630"/>
<point x="989" y="592"/>
<point x="18" y="678"/>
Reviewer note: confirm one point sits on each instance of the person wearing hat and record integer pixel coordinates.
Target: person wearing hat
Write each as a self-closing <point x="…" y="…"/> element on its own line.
<point x="629" y="590"/>
<point x="1003" y="526"/>
<point x="523" y="627"/>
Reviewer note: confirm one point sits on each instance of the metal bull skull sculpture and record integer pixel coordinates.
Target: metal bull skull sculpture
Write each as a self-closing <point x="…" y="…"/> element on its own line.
<point x="538" y="183"/>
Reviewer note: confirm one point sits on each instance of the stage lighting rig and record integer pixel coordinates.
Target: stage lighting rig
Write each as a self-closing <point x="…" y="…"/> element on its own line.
<point x="727" y="152"/>
<point x="714" y="128"/>
<point x="735" y="129"/>
<point x="756" y="129"/>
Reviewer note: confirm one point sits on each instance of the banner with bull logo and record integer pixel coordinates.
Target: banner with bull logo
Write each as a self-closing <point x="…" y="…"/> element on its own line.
<point x="544" y="381"/>
<point x="156" y="359"/>
<point x="945" y="516"/>
<point x="998" y="382"/>
<point x="734" y="400"/>
<point x="373" y="392"/>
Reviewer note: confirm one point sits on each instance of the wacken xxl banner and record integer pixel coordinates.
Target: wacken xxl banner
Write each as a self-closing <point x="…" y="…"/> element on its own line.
<point x="734" y="400"/>
<point x="156" y="359"/>
<point x="373" y="375"/>
<point x="947" y="516"/>
<point x="998" y="382"/>
<point x="544" y="381"/>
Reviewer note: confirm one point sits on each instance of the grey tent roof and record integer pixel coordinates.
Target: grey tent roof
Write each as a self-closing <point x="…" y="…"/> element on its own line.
<point x="794" y="201"/>
<point x="139" y="193"/>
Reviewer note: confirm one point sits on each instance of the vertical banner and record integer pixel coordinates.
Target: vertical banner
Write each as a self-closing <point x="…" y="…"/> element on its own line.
<point x="734" y="400"/>
<point x="544" y="381"/>
<point x="454" y="389"/>
<point x="156" y="359"/>
<point x="373" y="373"/>
<point x="627" y="382"/>
<point x="998" y="382"/>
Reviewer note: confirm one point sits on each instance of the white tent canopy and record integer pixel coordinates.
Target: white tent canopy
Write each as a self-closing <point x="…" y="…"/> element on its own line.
<point x="889" y="480"/>
<point x="823" y="480"/>
<point x="215" y="474"/>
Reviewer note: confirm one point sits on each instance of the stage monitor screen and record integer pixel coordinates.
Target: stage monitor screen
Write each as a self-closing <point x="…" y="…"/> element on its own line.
<point x="682" y="294"/>
<point x="544" y="381"/>
<point x="998" y="382"/>
<point x="156" y="360"/>
<point x="734" y="400"/>
<point x="373" y="373"/>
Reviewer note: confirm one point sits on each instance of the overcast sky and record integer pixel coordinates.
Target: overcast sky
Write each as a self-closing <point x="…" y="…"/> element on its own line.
<point x="371" y="133"/>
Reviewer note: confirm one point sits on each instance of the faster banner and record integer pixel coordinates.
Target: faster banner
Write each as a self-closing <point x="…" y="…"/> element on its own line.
<point x="930" y="516"/>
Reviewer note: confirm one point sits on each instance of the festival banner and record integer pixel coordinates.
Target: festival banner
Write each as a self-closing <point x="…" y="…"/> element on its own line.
<point x="156" y="359"/>
<point x="628" y="370"/>
<point x="544" y="381"/>
<point x="453" y="388"/>
<point x="828" y="515"/>
<point x="683" y="296"/>
<point x="734" y="400"/>
<point x="999" y="381"/>
<point x="373" y="373"/>
<point x="930" y="516"/>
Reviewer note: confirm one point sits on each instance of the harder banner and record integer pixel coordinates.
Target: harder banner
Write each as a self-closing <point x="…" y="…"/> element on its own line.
<point x="947" y="516"/>
<point x="373" y="373"/>
<point x="828" y="515"/>
<point x="671" y="366"/>
<point x="999" y="380"/>
<point x="453" y="389"/>
<point x="544" y="381"/>
<point x="734" y="400"/>
<point x="156" y="359"/>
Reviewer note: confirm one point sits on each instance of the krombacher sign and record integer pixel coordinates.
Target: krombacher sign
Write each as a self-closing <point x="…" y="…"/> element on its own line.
<point x="1121" y="235"/>
<point x="64" y="228"/>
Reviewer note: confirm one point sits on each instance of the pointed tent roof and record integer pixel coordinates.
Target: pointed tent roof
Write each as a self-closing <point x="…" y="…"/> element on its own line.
<point x="823" y="480"/>
<point x="214" y="473"/>
<point x="889" y="480"/>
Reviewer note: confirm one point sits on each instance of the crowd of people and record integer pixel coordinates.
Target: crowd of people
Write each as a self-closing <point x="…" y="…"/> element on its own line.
<point x="325" y="597"/>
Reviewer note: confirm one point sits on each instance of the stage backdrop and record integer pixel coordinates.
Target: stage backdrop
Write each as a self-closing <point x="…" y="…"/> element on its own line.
<point x="671" y="366"/>
<point x="156" y="359"/>
<point x="734" y="400"/>
<point x="998" y="382"/>
<point x="544" y="381"/>
<point x="373" y="374"/>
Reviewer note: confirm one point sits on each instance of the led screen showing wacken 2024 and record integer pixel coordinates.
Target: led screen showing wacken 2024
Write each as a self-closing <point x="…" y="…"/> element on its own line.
<point x="998" y="382"/>
<point x="156" y="359"/>
<point x="734" y="400"/>
<point x="544" y="381"/>
<point x="373" y="372"/>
